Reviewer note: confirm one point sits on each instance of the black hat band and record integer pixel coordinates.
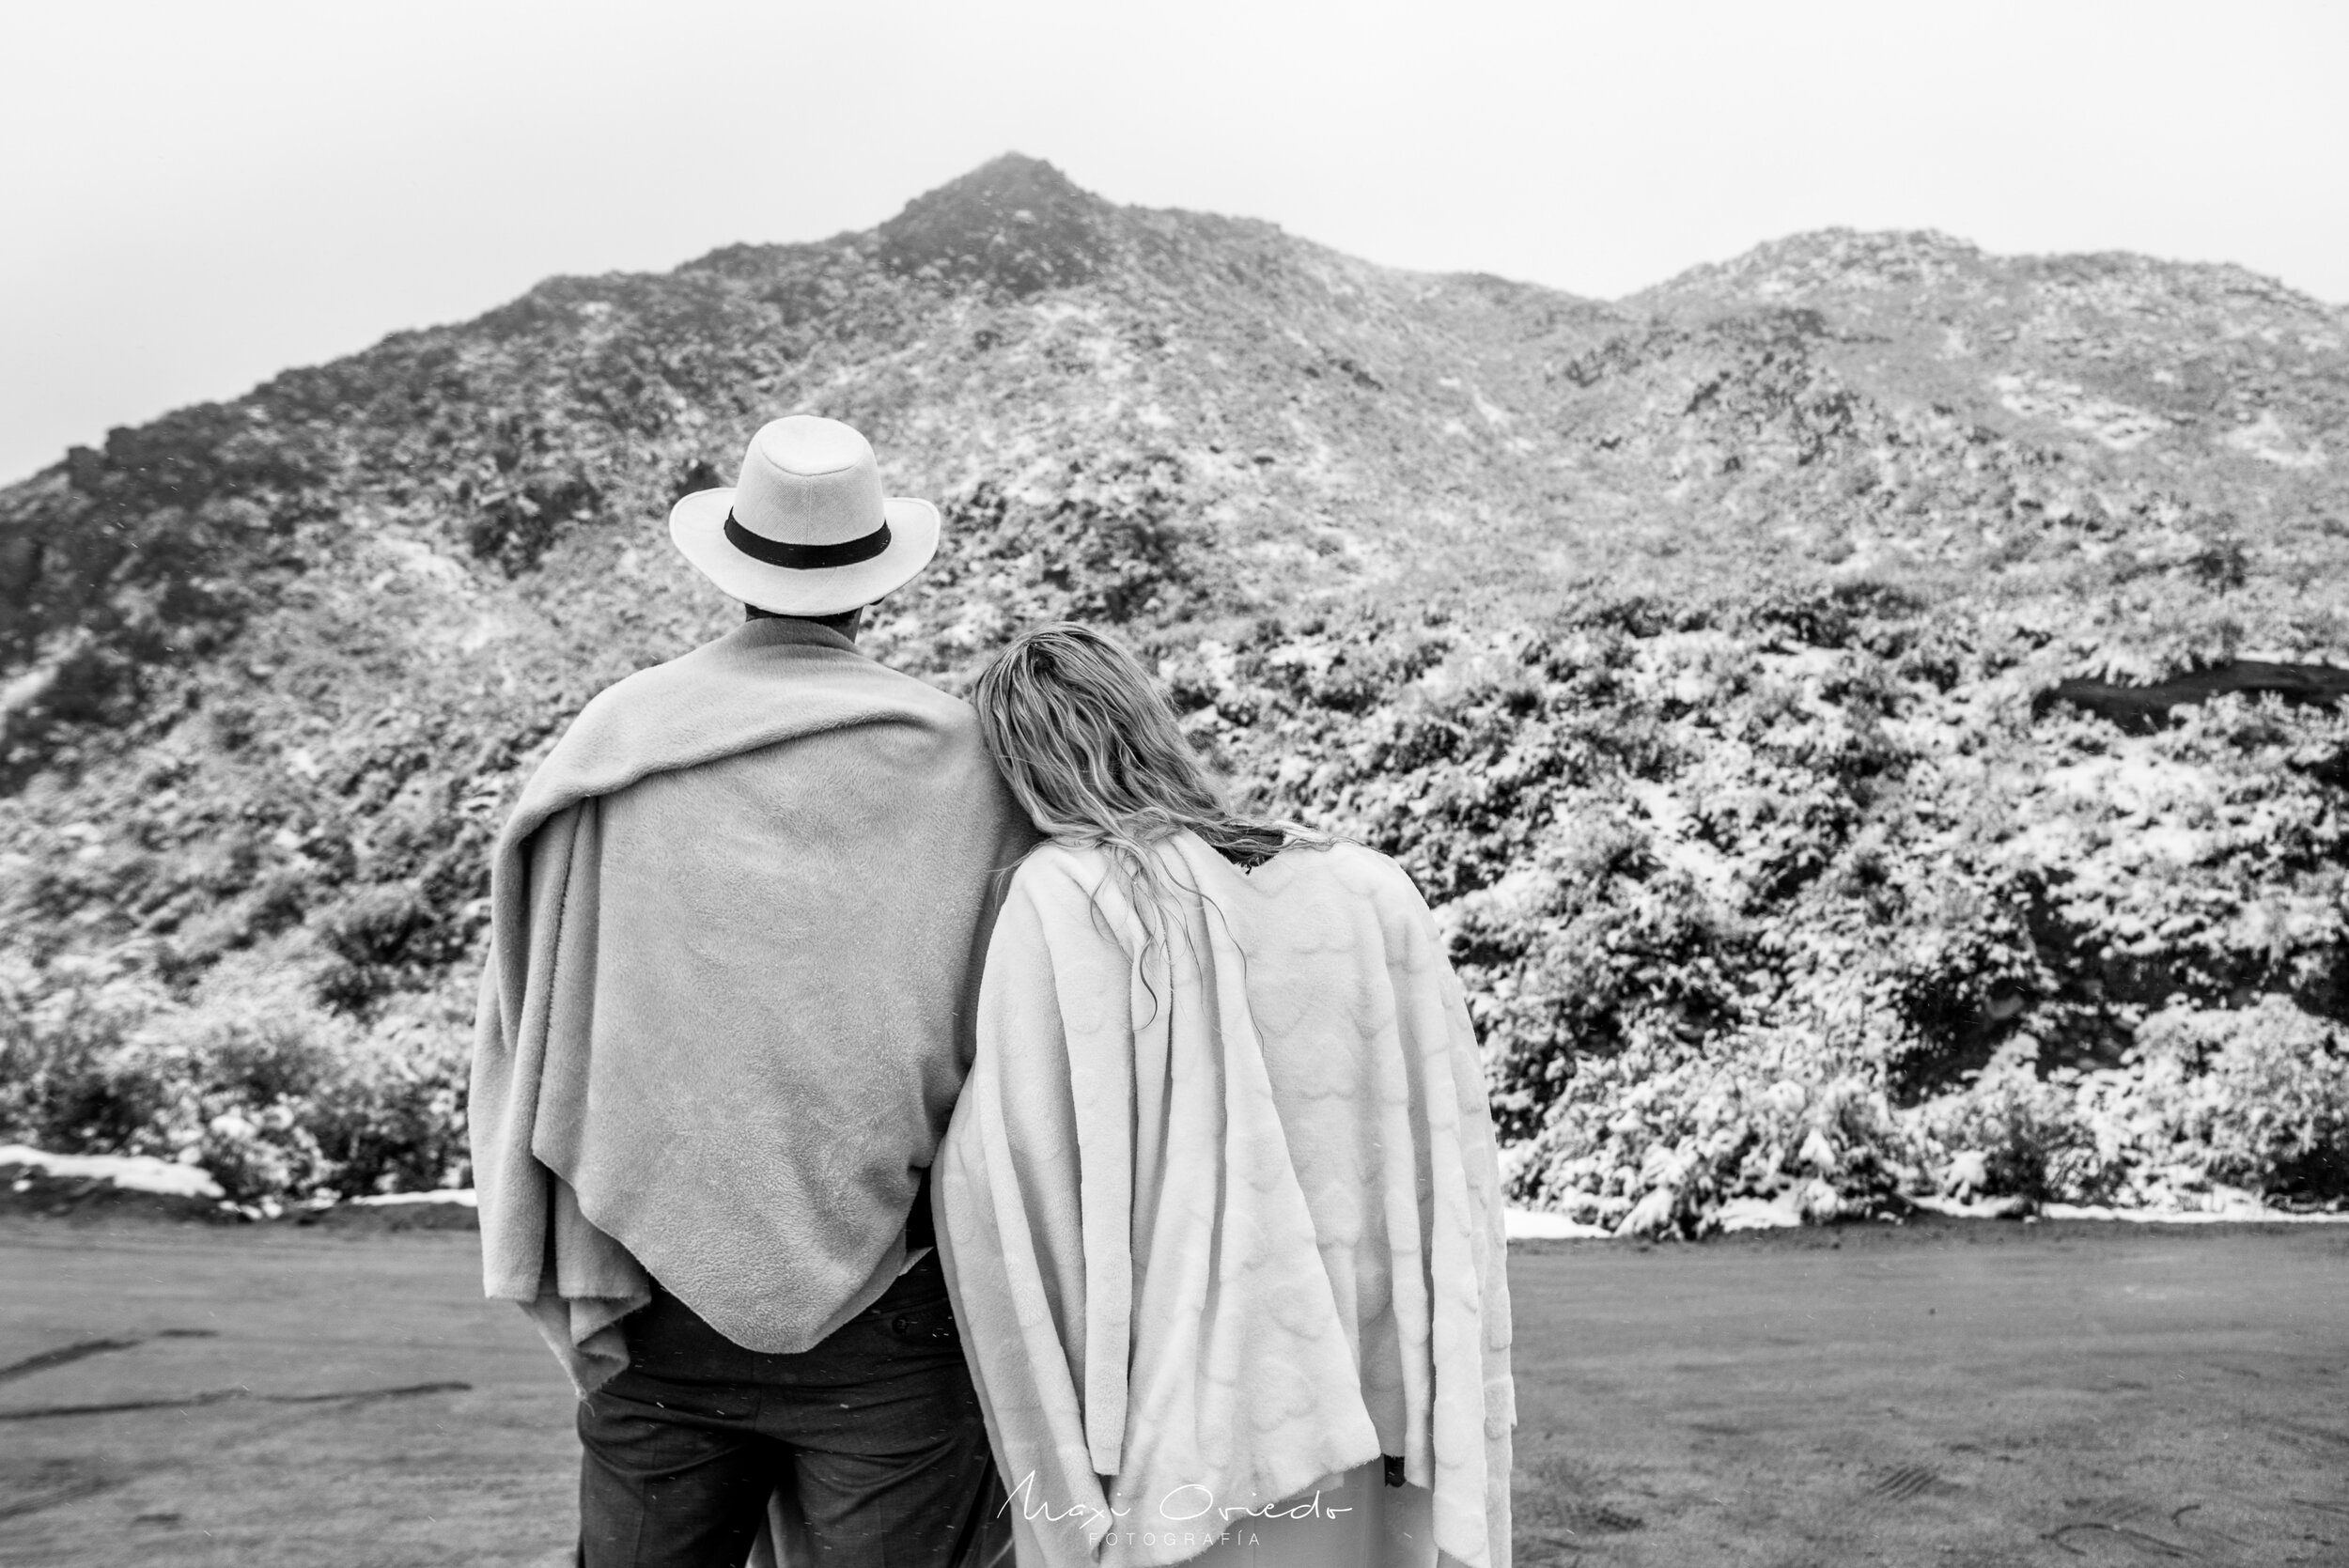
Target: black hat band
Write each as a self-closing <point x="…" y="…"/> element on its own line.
<point x="847" y="552"/>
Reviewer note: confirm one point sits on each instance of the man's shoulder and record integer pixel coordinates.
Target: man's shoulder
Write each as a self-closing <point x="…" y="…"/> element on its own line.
<point x="737" y="694"/>
<point x="767" y="681"/>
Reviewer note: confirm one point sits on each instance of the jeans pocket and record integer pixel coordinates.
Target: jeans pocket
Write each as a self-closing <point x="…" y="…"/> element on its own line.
<point x="921" y="1322"/>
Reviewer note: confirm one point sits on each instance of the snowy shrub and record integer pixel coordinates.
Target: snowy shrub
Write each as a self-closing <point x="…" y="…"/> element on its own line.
<point x="1659" y="1152"/>
<point x="2016" y="1135"/>
<point x="1729" y="881"/>
<point x="274" y="1095"/>
<point x="1803" y="897"/>
<point x="2260" y="1094"/>
<point x="61" y="1043"/>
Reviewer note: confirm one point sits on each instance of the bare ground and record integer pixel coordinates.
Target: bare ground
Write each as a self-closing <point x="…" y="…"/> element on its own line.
<point x="1968" y="1395"/>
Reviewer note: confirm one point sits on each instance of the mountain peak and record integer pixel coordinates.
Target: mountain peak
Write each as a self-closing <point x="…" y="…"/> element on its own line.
<point x="1012" y="175"/>
<point x="1801" y="264"/>
<point x="1015" y="223"/>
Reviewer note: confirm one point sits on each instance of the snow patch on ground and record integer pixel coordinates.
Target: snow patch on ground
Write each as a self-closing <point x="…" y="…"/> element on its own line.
<point x="2267" y="440"/>
<point x="2133" y="781"/>
<point x="2116" y="424"/>
<point x="2228" y="1208"/>
<point x="418" y="558"/>
<point x="1762" y="1214"/>
<point x="1784" y="1212"/>
<point x="133" y="1173"/>
<point x="146" y="1174"/>
<point x="1533" y="1225"/>
<point x="172" y="1179"/>
<point x="1973" y="1208"/>
<point x="1675" y="846"/>
<point x="2191" y="1217"/>
<point x="462" y="1196"/>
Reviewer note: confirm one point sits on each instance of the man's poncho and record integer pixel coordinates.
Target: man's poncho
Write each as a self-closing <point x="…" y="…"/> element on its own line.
<point x="735" y="919"/>
<point x="1221" y="1212"/>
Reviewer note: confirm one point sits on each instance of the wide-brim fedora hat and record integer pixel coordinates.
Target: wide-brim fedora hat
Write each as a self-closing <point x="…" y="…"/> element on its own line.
<point x="806" y="529"/>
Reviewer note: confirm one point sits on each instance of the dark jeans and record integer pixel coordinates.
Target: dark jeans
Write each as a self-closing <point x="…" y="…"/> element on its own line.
<point x="876" y="1433"/>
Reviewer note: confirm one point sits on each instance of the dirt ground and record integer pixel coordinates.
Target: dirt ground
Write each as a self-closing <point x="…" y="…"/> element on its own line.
<point x="1959" y="1393"/>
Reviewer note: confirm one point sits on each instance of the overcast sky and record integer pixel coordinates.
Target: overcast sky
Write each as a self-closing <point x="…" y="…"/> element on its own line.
<point x="200" y="193"/>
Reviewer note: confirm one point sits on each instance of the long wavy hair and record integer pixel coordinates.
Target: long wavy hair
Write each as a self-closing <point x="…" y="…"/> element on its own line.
<point x="1091" y="749"/>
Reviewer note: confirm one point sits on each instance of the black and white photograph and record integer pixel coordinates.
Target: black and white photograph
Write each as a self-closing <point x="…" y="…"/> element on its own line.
<point x="1521" y="784"/>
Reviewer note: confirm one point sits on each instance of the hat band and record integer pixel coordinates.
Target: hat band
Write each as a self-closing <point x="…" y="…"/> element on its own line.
<point x="847" y="552"/>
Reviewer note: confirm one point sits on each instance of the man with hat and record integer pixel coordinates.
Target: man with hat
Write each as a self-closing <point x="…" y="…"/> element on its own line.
<point x="736" y="920"/>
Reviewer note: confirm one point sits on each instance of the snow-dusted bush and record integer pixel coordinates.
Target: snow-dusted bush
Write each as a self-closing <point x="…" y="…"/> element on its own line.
<point x="1662" y="1151"/>
<point x="2014" y="1134"/>
<point x="2260" y="1094"/>
<point x="277" y="1097"/>
<point x="1729" y="881"/>
<point x="1803" y="898"/>
<point x="62" y="1035"/>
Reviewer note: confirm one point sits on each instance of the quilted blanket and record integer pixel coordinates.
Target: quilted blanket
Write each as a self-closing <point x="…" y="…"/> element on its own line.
<point x="1221" y="1208"/>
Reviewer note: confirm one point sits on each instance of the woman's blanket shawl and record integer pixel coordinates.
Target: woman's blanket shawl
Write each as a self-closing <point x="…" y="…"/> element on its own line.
<point x="735" y="921"/>
<point x="1222" y="1214"/>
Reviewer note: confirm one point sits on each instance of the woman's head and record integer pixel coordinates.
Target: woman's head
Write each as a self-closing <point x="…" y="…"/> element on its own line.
<point x="1086" y="742"/>
<point x="1092" y="751"/>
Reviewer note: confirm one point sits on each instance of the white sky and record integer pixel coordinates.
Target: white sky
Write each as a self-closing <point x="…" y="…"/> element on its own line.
<point x="199" y="192"/>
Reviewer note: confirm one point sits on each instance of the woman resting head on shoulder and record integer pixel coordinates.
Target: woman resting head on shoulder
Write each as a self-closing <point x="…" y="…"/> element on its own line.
<point x="1092" y="751"/>
<point x="1219" y="1203"/>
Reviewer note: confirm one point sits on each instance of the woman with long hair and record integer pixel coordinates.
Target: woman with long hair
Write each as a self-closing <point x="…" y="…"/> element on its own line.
<point x="1220" y="1205"/>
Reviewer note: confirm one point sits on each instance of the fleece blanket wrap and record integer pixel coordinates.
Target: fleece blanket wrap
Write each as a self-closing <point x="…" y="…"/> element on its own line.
<point x="735" y="922"/>
<point x="1221" y="1212"/>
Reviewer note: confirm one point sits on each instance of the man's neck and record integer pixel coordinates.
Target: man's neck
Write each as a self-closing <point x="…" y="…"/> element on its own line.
<point x="847" y="623"/>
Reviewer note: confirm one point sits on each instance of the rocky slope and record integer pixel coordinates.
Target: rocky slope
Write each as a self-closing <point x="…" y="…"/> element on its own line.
<point x="1694" y="651"/>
